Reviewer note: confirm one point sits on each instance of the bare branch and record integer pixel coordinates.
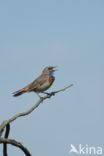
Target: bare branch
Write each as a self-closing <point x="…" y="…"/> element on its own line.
<point x="15" y="143"/>
<point x="61" y="90"/>
<point x="6" y="124"/>
<point x="6" y="136"/>
<point x="2" y="126"/>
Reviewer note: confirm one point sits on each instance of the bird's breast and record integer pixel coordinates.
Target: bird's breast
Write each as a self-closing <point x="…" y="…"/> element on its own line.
<point x="51" y="80"/>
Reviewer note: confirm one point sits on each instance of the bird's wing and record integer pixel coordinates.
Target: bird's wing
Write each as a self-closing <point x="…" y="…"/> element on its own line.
<point x="36" y="83"/>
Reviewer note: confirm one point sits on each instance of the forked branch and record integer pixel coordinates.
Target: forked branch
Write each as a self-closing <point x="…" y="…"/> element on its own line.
<point x="49" y="95"/>
<point x="6" y="124"/>
<point x="16" y="144"/>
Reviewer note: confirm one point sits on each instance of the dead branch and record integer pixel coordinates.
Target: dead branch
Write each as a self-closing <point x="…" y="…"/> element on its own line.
<point x="7" y="130"/>
<point x="15" y="143"/>
<point x="3" y="125"/>
<point x="6" y="123"/>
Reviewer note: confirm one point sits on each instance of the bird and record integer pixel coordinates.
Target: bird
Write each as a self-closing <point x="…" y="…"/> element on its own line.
<point x="40" y="84"/>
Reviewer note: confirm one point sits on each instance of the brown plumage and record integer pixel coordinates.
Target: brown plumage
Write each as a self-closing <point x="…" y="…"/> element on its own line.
<point x="42" y="83"/>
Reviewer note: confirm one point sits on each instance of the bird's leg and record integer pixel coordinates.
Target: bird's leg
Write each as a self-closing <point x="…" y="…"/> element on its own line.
<point x="45" y="93"/>
<point x="52" y="93"/>
<point x="39" y="96"/>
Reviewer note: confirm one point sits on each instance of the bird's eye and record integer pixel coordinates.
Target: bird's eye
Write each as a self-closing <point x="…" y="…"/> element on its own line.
<point x="50" y="68"/>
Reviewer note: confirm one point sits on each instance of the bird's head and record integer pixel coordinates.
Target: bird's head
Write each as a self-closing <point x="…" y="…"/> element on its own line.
<point x="49" y="70"/>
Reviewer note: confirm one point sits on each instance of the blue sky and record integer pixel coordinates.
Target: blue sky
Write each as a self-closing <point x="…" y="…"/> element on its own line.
<point x="69" y="34"/>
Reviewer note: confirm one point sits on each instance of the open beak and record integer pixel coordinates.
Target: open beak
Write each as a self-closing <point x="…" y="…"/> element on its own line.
<point x="55" y="68"/>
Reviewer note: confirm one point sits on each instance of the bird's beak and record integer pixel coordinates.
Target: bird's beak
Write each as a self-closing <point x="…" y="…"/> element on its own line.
<point x="55" y="68"/>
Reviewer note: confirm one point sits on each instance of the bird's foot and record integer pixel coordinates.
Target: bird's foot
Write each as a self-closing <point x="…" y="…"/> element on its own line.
<point x="40" y="97"/>
<point x="52" y="93"/>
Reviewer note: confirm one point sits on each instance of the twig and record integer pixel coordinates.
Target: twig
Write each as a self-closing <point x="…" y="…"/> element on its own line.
<point x="6" y="136"/>
<point x="6" y="124"/>
<point x="15" y="143"/>
<point x="2" y="126"/>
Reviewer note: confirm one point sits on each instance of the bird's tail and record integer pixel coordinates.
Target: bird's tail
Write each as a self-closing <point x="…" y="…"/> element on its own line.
<point x="19" y="92"/>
